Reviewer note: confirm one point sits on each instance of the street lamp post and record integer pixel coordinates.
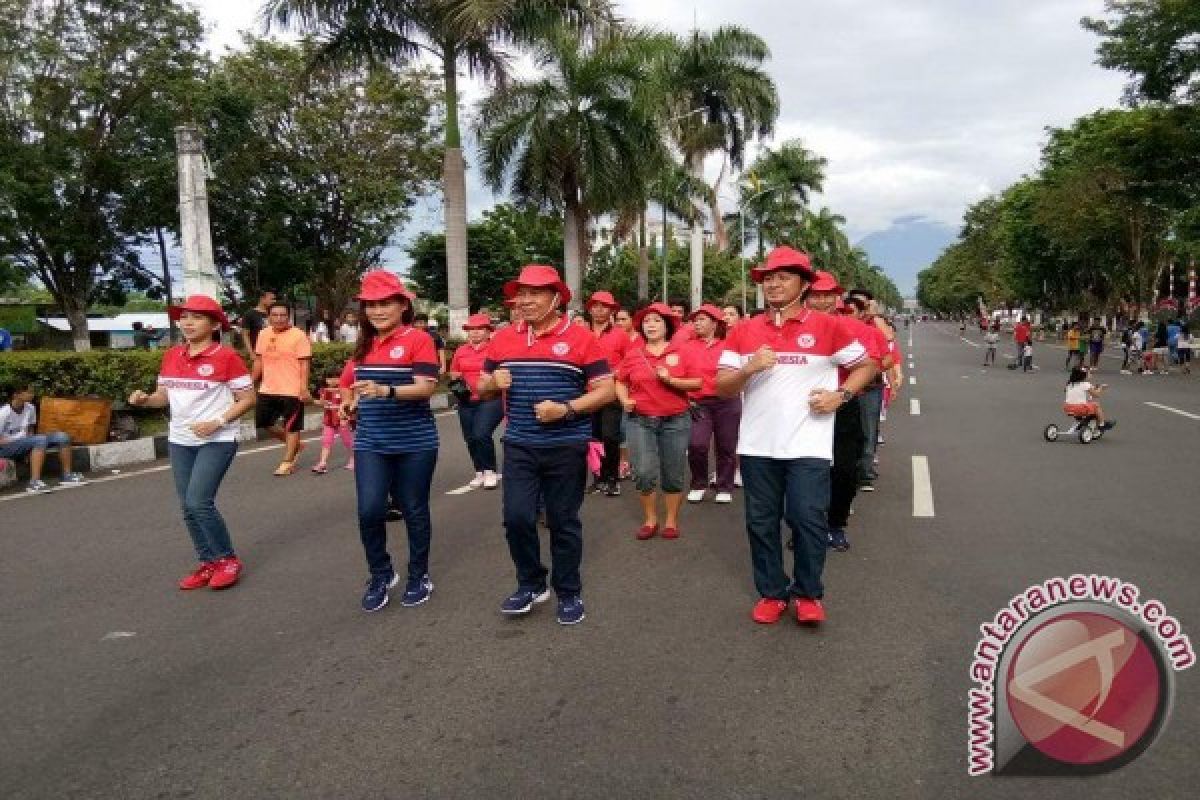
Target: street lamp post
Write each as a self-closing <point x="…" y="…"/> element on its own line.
<point x="742" y="226"/>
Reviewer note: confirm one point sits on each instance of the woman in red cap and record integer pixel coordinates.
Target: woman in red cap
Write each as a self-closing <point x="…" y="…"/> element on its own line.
<point x="606" y="423"/>
<point x="713" y="416"/>
<point x="208" y="388"/>
<point x="396" y="441"/>
<point x="653" y="384"/>
<point x="478" y="418"/>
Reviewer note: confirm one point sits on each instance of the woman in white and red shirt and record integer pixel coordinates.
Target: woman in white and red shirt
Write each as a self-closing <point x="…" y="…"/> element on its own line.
<point x="653" y="382"/>
<point x="478" y="418"/>
<point x="207" y="387"/>
<point x="713" y="417"/>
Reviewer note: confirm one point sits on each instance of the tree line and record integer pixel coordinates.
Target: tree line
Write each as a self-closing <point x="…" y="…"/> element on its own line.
<point x="1110" y="220"/>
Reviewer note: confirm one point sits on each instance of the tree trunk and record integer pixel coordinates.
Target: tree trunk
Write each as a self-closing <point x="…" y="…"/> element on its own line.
<point x="696" y="297"/>
<point x="571" y="265"/>
<point x="454" y="192"/>
<point x="720" y="234"/>
<point x="643" y="277"/>
<point x="79" y="329"/>
<point x="166" y="275"/>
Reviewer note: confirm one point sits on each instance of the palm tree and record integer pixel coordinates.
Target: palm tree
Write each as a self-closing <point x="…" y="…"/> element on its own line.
<point x="570" y="139"/>
<point x="775" y="194"/>
<point x="721" y="74"/>
<point x="454" y="33"/>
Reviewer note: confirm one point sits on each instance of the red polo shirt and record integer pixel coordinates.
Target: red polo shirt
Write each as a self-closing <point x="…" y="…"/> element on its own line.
<point x="468" y="360"/>
<point x="871" y="338"/>
<point x="652" y="397"/>
<point x="613" y="343"/>
<point x="705" y="356"/>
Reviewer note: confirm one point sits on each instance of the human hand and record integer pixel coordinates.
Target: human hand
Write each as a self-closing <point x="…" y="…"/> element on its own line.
<point x="137" y="397"/>
<point x="502" y="378"/>
<point x="549" y="411"/>
<point x="370" y="389"/>
<point x="206" y="428"/>
<point x="763" y="359"/>
<point x="347" y="411"/>
<point x="629" y="405"/>
<point x="664" y="375"/>
<point x="305" y="396"/>
<point x="823" y="401"/>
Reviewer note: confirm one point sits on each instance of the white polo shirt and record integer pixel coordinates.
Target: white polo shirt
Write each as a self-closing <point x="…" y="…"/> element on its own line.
<point x="17" y="424"/>
<point x="200" y="388"/>
<point x="776" y="420"/>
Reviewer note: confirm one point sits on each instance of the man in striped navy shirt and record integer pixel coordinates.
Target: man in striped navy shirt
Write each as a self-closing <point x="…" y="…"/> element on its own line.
<point x="553" y="375"/>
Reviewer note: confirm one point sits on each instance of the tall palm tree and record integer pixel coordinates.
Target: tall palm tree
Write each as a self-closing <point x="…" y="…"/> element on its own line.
<point x="775" y="193"/>
<point x="720" y="96"/>
<point x="454" y="33"/>
<point x="569" y="139"/>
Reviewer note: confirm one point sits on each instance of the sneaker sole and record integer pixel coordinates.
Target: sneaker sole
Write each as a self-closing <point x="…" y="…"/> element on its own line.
<point x="422" y="601"/>
<point x="562" y="621"/>
<point x="537" y="600"/>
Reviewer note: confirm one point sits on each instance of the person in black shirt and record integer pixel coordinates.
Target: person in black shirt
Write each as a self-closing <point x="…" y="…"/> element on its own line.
<point x="255" y="319"/>
<point x="421" y="322"/>
<point x="1096" y="335"/>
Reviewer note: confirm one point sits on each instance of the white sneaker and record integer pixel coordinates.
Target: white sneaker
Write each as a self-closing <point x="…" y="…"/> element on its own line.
<point x="37" y="487"/>
<point x="477" y="482"/>
<point x="695" y="495"/>
<point x="72" y="479"/>
<point x="489" y="479"/>
<point x="724" y="497"/>
<point x="737" y="478"/>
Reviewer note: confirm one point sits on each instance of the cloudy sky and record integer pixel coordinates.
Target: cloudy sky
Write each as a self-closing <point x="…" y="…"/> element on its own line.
<point x="921" y="106"/>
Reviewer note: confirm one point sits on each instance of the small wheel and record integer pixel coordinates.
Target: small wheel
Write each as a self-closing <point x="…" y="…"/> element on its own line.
<point x="1086" y="435"/>
<point x="1051" y="432"/>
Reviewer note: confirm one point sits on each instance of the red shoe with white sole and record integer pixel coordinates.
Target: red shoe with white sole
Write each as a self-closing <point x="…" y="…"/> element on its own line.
<point x="226" y="574"/>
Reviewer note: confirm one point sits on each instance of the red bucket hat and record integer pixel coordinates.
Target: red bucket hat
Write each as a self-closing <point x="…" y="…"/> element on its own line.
<point x="825" y="282"/>
<point x="539" y="276"/>
<point x="662" y="309"/>
<point x="708" y="308"/>
<point x="604" y="299"/>
<point x="478" y="321"/>
<point x="380" y="284"/>
<point x="201" y="304"/>
<point x="784" y="257"/>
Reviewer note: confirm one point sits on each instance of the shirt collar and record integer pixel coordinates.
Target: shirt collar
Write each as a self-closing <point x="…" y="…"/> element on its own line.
<point x="183" y="348"/>
<point x="396" y="332"/>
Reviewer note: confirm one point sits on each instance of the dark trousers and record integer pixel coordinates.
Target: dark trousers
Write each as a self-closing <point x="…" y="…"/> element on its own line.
<point x="606" y="429"/>
<point x="479" y="421"/>
<point x="870" y="404"/>
<point x="715" y="418"/>
<point x="795" y="490"/>
<point x="843" y="476"/>
<point x="407" y="478"/>
<point x="559" y="473"/>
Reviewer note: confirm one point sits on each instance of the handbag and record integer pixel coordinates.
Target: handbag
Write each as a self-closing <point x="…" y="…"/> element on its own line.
<point x="459" y="388"/>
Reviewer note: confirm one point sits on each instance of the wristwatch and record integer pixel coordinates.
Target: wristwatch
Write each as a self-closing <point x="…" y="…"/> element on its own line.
<point x="847" y="395"/>
<point x="571" y="414"/>
<point x="392" y="391"/>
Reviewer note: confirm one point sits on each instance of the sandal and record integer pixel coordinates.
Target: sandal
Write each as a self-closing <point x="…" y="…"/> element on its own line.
<point x="320" y="469"/>
<point x="285" y="468"/>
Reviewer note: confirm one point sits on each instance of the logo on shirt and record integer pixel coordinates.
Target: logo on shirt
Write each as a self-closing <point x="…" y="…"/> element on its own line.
<point x="397" y="351"/>
<point x="672" y="360"/>
<point x="806" y="340"/>
<point x="561" y="349"/>
<point x="204" y="370"/>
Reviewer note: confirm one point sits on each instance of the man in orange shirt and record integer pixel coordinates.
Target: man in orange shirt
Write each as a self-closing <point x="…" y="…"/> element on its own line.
<point x="282" y="357"/>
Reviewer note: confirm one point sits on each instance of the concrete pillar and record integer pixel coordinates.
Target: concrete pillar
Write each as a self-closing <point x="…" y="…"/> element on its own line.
<point x="199" y="272"/>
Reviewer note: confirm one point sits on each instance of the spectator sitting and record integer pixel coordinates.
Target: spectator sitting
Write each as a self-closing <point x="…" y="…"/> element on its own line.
<point x="144" y="338"/>
<point x="18" y="421"/>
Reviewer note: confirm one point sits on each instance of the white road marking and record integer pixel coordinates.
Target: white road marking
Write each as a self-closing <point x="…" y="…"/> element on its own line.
<point x="922" y="487"/>
<point x="1187" y="414"/>
<point x="968" y="341"/>
<point x="914" y="406"/>
<point x="912" y="380"/>
<point x="462" y="489"/>
<point x="117" y="635"/>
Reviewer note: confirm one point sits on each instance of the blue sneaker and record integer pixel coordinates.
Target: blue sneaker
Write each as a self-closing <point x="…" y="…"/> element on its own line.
<point x="570" y="609"/>
<point x="522" y="601"/>
<point x="376" y="595"/>
<point x="838" y="540"/>
<point x="417" y="591"/>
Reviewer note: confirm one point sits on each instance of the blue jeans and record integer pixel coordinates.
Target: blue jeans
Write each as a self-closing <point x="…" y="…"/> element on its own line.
<point x="795" y="490"/>
<point x="479" y="422"/>
<point x="406" y="477"/>
<point x="198" y="472"/>
<point x="39" y="441"/>
<point x="658" y="451"/>
<point x="870" y="403"/>
<point x="560" y="474"/>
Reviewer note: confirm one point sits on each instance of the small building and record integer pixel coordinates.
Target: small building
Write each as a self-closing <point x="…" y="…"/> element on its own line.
<point x="106" y="333"/>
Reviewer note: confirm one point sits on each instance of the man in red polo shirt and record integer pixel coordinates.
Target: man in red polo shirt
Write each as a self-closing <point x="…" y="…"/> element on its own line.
<point x="785" y="362"/>
<point x="606" y="422"/>
<point x="552" y="376"/>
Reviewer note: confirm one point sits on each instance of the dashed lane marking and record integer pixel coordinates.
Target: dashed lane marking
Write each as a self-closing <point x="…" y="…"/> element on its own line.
<point x="1181" y="413"/>
<point x="914" y="406"/>
<point x="922" y="487"/>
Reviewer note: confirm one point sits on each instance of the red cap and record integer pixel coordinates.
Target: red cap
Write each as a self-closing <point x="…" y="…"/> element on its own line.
<point x="478" y="321"/>
<point x="539" y="276"/>
<point x="662" y="309"/>
<point x="201" y="304"/>
<point x="708" y="308"/>
<point x="825" y="282"/>
<point x="604" y="299"/>
<point x="784" y="257"/>
<point x="380" y="284"/>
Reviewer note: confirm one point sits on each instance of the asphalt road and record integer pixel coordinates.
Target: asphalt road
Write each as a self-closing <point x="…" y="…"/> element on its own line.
<point x="116" y="685"/>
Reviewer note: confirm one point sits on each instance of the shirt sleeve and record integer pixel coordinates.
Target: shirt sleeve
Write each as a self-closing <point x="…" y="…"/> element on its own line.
<point x="346" y="380"/>
<point x="236" y="374"/>
<point x="425" y="362"/>
<point x="848" y="350"/>
<point x="731" y="356"/>
<point x="595" y="365"/>
<point x="303" y="346"/>
<point x="32" y="415"/>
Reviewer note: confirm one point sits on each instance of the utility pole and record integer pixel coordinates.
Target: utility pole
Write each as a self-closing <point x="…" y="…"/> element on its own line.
<point x="199" y="273"/>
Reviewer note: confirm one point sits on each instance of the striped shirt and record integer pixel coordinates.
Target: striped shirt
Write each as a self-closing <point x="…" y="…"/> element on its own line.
<point x="555" y="365"/>
<point x="397" y="426"/>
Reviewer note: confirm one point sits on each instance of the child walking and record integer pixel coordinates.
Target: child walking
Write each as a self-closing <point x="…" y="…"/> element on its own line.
<point x="332" y="425"/>
<point x="992" y="337"/>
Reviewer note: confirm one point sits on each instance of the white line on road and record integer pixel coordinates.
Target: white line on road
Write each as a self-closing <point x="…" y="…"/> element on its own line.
<point x="914" y="406"/>
<point x="922" y="488"/>
<point x="1187" y="414"/>
<point x="462" y="489"/>
<point x="968" y="341"/>
<point x="912" y="380"/>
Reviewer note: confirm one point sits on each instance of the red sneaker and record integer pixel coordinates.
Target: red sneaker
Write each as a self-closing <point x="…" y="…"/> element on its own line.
<point x="768" y="610"/>
<point x="226" y="573"/>
<point x="647" y="532"/>
<point x="670" y="533"/>
<point x="809" y="609"/>
<point x="200" y="578"/>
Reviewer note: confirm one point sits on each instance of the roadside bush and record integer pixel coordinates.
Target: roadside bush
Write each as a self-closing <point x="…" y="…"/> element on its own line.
<point x="100" y="373"/>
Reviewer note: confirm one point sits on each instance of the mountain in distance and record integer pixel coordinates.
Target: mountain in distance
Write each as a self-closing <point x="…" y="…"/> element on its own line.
<point x="907" y="246"/>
